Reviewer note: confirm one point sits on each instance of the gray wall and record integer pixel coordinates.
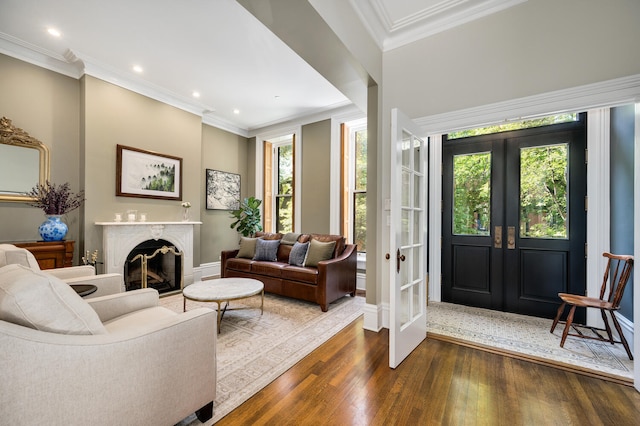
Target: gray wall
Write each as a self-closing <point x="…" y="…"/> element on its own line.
<point x="532" y="48"/>
<point x="315" y="168"/>
<point x="228" y="153"/>
<point x="46" y="105"/>
<point x="622" y="166"/>
<point x="113" y="115"/>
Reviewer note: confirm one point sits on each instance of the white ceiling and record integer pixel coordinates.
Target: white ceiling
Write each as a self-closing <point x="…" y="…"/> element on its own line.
<point x="214" y="47"/>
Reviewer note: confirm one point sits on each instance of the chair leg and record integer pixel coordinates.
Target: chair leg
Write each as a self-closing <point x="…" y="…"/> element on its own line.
<point x="622" y="338"/>
<point x="607" y="326"/>
<point x="557" y="318"/>
<point x="205" y="413"/>
<point x="567" y="325"/>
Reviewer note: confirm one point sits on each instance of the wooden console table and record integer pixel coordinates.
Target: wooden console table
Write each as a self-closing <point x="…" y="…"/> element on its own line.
<point x="50" y="254"/>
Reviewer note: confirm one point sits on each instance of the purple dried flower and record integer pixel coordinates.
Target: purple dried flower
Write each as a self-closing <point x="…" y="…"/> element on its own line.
<point x="54" y="199"/>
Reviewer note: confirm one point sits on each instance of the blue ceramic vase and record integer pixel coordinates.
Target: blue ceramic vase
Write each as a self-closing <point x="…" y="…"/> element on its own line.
<point x="53" y="229"/>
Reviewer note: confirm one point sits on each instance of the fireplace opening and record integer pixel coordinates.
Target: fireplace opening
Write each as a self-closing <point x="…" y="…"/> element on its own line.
<point x="153" y="264"/>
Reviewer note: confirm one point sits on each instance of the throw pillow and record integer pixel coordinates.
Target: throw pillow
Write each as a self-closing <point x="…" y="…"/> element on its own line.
<point x="319" y="251"/>
<point x="298" y="253"/>
<point x="267" y="250"/>
<point x="247" y="247"/>
<point x="41" y="301"/>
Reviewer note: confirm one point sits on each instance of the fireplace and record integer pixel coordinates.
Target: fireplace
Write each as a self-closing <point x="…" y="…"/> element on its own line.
<point x="154" y="264"/>
<point x="119" y="239"/>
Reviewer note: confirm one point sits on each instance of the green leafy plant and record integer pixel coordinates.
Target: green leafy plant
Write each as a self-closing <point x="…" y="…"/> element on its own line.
<point x="247" y="216"/>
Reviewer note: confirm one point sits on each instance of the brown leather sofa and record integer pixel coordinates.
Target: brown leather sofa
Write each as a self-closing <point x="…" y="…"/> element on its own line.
<point x="326" y="283"/>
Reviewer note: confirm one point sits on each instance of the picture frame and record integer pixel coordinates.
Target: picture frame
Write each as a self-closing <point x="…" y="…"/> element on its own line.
<point x="222" y="190"/>
<point x="147" y="174"/>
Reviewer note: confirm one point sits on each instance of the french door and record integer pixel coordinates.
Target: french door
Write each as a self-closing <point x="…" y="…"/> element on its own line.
<point x="407" y="239"/>
<point x="514" y="219"/>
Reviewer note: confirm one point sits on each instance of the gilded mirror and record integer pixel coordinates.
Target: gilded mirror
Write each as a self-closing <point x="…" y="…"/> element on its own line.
<point x="24" y="162"/>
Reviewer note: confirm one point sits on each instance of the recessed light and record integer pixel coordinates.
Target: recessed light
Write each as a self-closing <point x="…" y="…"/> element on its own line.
<point x="236" y="111"/>
<point x="196" y="94"/>
<point x="54" y="32"/>
<point x="138" y="69"/>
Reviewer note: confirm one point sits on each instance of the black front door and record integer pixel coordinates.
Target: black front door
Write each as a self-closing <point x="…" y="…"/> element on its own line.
<point x="514" y="220"/>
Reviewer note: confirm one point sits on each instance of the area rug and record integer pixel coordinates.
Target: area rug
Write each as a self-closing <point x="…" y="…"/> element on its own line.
<point x="529" y="336"/>
<point x="254" y="349"/>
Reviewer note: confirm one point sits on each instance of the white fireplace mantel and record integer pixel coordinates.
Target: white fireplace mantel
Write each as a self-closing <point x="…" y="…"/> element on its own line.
<point x="119" y="238"/>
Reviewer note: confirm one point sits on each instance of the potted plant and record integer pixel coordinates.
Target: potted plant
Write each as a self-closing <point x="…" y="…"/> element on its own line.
<point x="55" y="201"/>
<point x="247" y="216"/>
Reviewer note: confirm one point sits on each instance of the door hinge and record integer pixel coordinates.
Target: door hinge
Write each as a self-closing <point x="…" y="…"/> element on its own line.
<point x="586" y="156"/>
<point x="586" y="250"/>
<point x="440" y="243"/>
<point x="586" y="203"/>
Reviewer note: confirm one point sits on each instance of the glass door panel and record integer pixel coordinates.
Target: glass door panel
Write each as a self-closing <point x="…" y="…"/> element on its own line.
<point x="544" y="192"/>
<point x="472" y="194"/>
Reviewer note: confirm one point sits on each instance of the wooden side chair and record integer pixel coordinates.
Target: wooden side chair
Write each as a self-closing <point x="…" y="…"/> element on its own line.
<point x="615" y="280"/>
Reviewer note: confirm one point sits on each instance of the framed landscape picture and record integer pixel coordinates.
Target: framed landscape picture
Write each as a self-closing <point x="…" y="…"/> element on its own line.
<point x="223" y="190"/>
<point x="146" y="174"/>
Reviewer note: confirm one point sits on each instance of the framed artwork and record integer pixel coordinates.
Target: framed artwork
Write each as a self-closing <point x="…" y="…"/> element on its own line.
<point x="146" y="174"/>
<point x="223" y="190"/>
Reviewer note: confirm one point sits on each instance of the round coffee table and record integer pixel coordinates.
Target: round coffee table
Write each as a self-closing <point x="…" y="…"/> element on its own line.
<point x="223" y="290"/>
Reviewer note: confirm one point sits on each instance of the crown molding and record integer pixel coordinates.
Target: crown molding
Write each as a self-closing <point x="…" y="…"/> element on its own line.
<point x="390" y="34"/>
<point x="42" y="58"/>
<point x="608" y="93"/>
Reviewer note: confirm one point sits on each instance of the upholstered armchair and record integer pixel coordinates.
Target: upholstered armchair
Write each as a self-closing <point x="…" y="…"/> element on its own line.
<point x="117" y="359"/>
<point x="86" y="274"/>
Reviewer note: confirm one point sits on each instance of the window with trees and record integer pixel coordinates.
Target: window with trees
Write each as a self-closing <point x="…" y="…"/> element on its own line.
<point x="354" y="177"/>
<point x="279" y="184"/>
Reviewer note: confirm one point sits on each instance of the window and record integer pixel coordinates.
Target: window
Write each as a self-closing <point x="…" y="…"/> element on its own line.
<point x="279" y="184"/>
<point x="354" y="195"/>
<point x="526" y="124"/>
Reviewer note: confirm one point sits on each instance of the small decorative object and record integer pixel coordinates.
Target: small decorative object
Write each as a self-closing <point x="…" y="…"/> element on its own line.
<point x="223" y="190"/>
<point x="248" y="220"/>
<point x="118" y="217"/>
<point x="131" y="215"/>
<point x="185" y="211"/>
<point x="143" y="217"/>
<point x="55" y="201"/>
<point x="91" y="259"/>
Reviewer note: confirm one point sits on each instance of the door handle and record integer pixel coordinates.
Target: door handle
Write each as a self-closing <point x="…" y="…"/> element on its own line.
<point x="399" y="258"/>
<point x="497" y="237"/>
<point x="511" y="237"/>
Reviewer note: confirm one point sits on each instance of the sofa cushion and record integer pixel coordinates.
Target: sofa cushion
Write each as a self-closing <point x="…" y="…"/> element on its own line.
<point x="301" y="274"/>
<point x="238" y="264"/>
<point x="270" y="269"/>
<point x="269" y="235"/>
<point x="267" y="250"/>
<point x="339" y="239"/>
<point x="41" y="301"/>
<point x="290" y="238"/>
<point x="319" y="251"/>
<point x="298" y="253"/>
<point x="247" y="248"/>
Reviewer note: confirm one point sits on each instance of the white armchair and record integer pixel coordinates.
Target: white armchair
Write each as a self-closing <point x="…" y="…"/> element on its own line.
<point x="118" y="359"/>
<point x="86" y="274"/>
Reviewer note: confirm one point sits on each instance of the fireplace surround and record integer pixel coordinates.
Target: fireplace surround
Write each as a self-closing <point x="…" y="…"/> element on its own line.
<point x="120" y="238"/>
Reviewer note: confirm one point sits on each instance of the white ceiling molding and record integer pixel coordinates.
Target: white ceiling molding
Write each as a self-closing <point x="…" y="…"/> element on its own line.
<point x="393" y="24"/>
<point x="35" y="55"/>
<point x="608" y="93"/>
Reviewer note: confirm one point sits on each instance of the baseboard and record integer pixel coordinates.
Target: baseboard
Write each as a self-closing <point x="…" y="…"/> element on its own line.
<point x="372" y="317"/>
<point x="206" y="270"/>
<point x="361" y="281"/>
<point x="627" y="329"/>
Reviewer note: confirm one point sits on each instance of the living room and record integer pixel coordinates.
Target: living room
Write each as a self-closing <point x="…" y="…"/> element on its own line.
<point x="444" y="81"/>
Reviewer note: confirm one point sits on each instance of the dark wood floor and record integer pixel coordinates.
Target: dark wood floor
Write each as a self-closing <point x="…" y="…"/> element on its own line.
<point x="347" y="381"/>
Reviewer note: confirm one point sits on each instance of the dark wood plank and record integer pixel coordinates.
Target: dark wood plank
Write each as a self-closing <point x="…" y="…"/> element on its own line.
<point x="348" y="381"/>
